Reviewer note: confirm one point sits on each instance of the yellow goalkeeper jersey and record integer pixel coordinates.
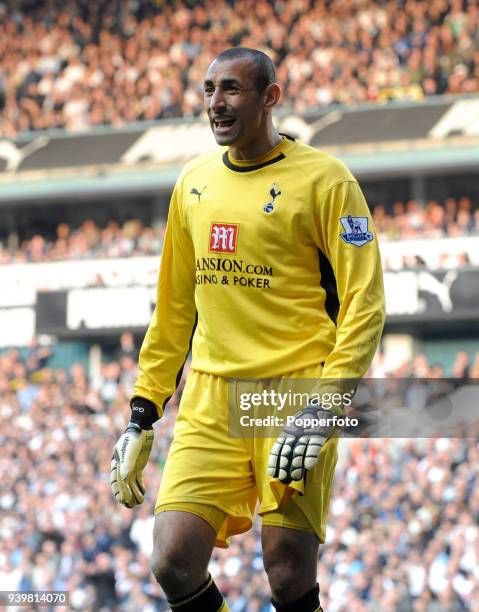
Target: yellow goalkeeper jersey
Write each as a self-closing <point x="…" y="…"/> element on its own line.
<point x="268" y="266"/>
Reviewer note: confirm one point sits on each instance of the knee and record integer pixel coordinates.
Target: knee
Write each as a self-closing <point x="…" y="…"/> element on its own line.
<point x="182" y="546"/>
<point x="171" y="570"/>
<point x="285" y="578"/>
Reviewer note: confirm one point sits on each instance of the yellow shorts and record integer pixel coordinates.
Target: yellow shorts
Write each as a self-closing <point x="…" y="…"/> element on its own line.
<point x="220" y="478"/>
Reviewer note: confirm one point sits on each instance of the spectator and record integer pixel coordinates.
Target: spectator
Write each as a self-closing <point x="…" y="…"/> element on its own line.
<point x="461" y="366"/>
<point x="102" y="577"/>
<point x="81" y="64"/>
<point x="89" y="241"/>
<point x="402" y="535"/>
<point x="401" y="221"/>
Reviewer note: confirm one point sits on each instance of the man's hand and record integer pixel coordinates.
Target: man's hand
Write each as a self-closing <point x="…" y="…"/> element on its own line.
<point x="297" y="448"/>
<point x="131" y="454"/>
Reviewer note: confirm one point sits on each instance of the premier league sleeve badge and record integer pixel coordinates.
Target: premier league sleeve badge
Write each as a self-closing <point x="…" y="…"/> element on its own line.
<point x="355" y="230"/>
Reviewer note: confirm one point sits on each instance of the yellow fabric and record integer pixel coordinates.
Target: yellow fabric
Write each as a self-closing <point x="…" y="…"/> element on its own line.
<point x="207" y="467"/>
<point x="260" y="306"/>
<point x="290" y="517"/>
<point x="212" y="515"/>
<point x="224" y="607"/>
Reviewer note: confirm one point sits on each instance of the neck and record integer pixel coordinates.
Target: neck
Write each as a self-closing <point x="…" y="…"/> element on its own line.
<point x="261" y="146"/>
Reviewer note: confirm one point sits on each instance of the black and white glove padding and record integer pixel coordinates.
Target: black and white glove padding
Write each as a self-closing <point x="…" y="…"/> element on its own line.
<point x="131" y="453"/>
<point x="297" y="448"/>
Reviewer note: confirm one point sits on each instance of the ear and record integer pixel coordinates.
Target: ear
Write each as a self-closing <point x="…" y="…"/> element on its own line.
<point x="272" y="95"/>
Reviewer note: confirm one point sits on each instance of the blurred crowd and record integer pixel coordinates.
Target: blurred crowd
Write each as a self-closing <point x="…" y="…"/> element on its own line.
<point x="88" y="241"/>
<point x="403" y="532"/>
<point x="455" y="217"/>
<point x="452" y="218"/>
<point x="461" y="368"/>
<point x="80" y="64"/>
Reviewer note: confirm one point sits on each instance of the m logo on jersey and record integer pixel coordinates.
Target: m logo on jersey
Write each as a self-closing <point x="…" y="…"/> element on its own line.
<point x="223" y="237"/>
<point x="274" y="193"/>
<point x="356" y="230"/>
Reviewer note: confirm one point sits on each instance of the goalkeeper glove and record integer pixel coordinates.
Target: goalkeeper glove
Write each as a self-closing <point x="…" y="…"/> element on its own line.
<point x="297" y="448"/>
<point x="131" y="453"/>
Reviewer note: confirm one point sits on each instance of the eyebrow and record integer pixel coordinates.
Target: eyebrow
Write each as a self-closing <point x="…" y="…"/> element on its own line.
<point x="224" y="83"/>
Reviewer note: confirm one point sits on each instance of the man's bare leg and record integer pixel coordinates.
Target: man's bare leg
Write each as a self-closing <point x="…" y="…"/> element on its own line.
<point x="291" y="559"/>
<point x="182" y="547"/>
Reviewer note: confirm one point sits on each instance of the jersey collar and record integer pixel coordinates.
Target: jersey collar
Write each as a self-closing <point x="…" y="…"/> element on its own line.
<point x="275" y="155"/>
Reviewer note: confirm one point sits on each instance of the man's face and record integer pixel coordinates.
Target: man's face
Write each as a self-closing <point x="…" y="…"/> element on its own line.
<point x="234" y="105"/>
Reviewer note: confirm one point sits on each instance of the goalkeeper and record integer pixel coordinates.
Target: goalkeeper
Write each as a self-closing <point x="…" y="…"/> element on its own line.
<point x="270" y="269"/>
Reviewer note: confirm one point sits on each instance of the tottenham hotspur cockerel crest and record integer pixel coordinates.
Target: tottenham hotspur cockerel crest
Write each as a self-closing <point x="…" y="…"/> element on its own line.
<point x="274" y="193"/>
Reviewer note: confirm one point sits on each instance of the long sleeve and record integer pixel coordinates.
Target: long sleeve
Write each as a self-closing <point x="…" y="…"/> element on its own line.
<point x="347" y="239"/>
<point x="167" y="340"/>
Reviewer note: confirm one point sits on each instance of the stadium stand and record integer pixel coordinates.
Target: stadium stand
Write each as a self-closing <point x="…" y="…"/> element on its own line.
<point x="87" y="242"/>
<point x="451" y="218"/>
<point x="455" y="217"/>
<point x="403" y="532"/>
<point x="403" y="529"/>
<point x="83" y="64"/>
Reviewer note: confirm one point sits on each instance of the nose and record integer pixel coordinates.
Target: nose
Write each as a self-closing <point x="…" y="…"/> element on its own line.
<point x="217" y="101"/>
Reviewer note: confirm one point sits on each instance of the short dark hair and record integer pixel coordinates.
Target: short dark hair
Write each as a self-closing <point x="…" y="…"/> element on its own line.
<point x="265" y="73"/>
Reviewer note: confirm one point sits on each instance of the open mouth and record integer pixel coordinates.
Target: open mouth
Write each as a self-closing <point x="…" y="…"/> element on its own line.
<point x="222" y="124"/>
